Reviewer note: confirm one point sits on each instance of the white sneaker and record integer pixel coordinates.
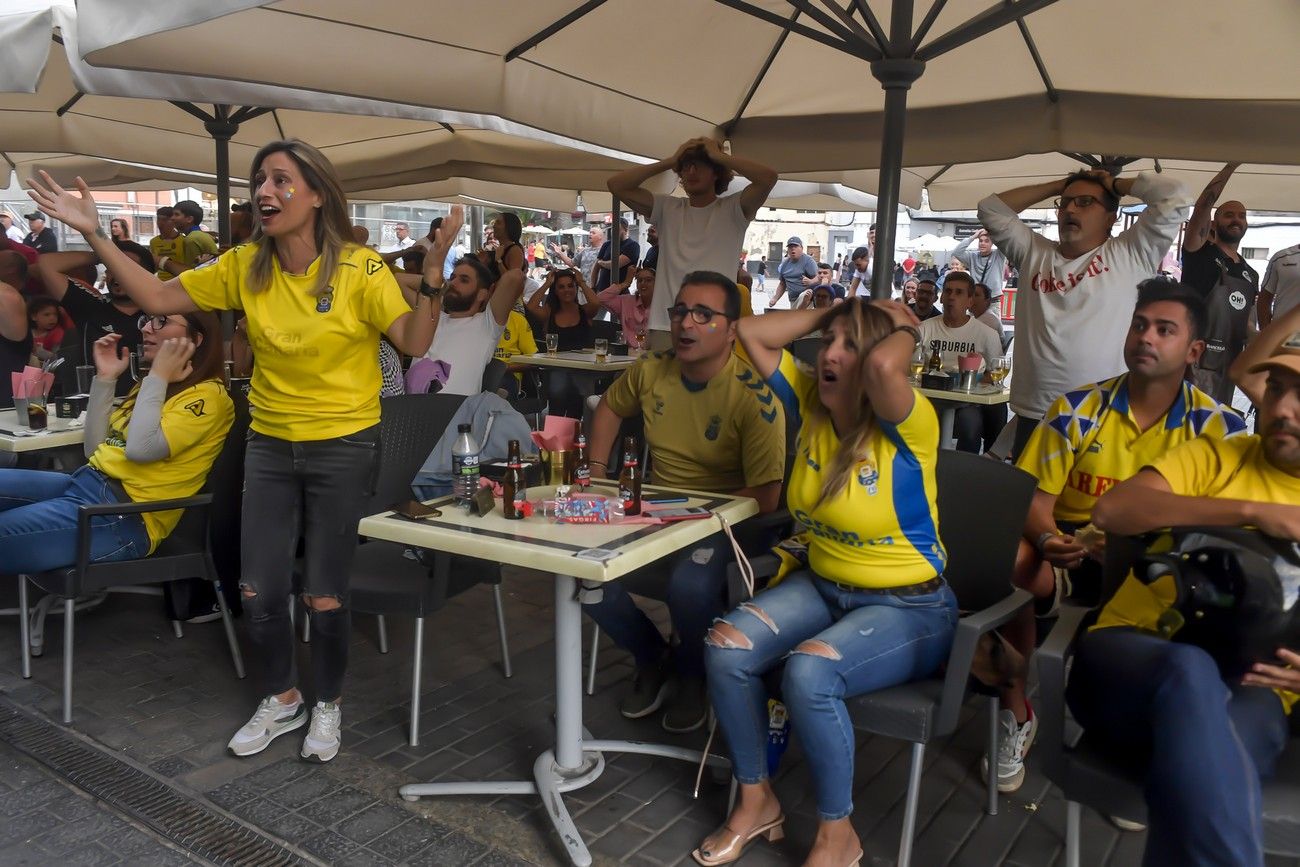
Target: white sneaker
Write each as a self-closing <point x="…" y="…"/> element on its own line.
<point x="1126" y="824"/>
<point x="1013" y="745"/>
<point x="271" y="720"/>
<point x="322" y="741"/>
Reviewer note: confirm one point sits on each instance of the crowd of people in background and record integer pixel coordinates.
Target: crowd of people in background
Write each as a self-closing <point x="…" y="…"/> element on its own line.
<point x="1121" y="401"/>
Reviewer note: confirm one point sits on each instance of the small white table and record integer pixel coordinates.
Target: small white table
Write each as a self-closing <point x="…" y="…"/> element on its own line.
<point x="946" y="402"/>
<point x="60" y="432"/>
<point x="576" y="760"/>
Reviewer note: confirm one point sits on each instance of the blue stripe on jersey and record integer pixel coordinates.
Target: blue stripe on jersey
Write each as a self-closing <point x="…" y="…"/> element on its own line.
<point x="910" y="503"/>
<point x="785" y="391"/>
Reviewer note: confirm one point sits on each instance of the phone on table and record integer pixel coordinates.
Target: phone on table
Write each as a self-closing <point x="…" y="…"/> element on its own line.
<point x="415" y="510"/>
<point x="689" y="513"/>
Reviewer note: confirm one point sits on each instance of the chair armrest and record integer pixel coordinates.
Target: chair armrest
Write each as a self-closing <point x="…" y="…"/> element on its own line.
<point x="85" y="513"/>
<point x="1051" y="660"/>
<point x="962" y="655"/>
<point x="765" y="567"/>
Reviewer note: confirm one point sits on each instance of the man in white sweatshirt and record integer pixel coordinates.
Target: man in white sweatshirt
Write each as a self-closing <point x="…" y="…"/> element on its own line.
<point x="1076" y="295"/>
<point x="954" y="334"/>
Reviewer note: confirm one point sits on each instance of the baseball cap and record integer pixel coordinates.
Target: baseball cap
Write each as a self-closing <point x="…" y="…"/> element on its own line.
<point x="794" y="239"/>
<point x="1286" y="356"/>
<point x="34" y="215"/>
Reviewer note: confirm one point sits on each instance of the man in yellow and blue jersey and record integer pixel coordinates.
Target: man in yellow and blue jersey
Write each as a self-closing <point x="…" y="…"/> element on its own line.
<point x="1091" y="439"/>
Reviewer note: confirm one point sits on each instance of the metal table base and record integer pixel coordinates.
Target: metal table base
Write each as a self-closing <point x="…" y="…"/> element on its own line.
<point x="577" y="760"/>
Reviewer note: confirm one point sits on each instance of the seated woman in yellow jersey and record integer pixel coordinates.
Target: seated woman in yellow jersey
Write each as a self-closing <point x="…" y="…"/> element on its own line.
<point x="1205" y="743"/>
<point x="872" y="609"/>
<point x="516" y="339"/>
<point x="159" y="445"/>
<point x="316" y="305"/>
<point x="1090" y="440"/>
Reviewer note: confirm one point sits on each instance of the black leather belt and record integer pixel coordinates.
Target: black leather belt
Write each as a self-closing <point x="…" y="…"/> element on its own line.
<point x="931" y="586"/>
<point x="114" y="485"/>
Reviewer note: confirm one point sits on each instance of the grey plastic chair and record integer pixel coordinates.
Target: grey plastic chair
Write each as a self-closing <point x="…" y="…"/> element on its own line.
<point x="384" y="580"/>
<point x="1088" y="773"/>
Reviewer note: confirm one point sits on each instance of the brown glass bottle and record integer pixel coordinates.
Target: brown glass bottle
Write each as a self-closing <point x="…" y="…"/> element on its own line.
<point x="629" y="481"/>
<point x="513" y="487"/>
<point x="935" y="364"/>
<point x="581" y="466"/>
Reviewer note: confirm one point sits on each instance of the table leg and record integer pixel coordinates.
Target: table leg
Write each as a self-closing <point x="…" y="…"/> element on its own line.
<point x="947" y="413"/>
<point x="576" y="760"/>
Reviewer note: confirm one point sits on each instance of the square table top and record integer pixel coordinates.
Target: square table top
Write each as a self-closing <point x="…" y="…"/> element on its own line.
<point x="58" y="433"/>
<point x="577" y="361"/>
<point x="538" y="543"/>
<point x="983" y="395"/>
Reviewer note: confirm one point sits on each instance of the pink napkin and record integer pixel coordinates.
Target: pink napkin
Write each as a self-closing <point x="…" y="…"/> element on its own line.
<point x="969" y="362"/>
<point x="31" y="381"/>
<point x="557" y="434"/>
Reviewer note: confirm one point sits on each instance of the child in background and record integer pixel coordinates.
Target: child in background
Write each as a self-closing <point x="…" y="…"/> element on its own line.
<point x="47" y="327"/>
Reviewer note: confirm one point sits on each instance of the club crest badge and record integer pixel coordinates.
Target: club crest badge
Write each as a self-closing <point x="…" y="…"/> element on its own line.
<point x="325" y="302"/>
<point x="869" y="477"/>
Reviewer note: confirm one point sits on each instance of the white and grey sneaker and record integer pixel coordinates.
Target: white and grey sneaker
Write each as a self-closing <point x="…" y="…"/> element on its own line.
<point x="1013" y="745"/>
<point x="322" y="741"/>
<point x="271" y="720"/>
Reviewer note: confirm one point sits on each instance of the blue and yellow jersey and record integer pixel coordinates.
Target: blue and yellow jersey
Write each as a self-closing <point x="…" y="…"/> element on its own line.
<point x="1234" y="469"/>
<point x="1089" y="442"/>
<point x="882" y="529"/>
<point x="722" y="435"/>
<point x="516" y="339"/>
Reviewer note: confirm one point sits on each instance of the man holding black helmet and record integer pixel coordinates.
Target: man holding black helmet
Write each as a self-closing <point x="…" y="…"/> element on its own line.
<point x="1207" y="741"/>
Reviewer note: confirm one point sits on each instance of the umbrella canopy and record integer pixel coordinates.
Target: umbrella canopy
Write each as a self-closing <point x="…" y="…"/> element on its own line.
<point x="538" y="230"/>
<point x="973" y="80"/>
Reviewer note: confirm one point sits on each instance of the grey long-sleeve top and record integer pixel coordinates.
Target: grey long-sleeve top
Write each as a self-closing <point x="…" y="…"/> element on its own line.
<point x="145" y="442"/>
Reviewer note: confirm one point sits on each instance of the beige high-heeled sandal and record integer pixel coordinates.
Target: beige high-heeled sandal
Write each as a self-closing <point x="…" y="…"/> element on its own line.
<point x="771" y="832"/>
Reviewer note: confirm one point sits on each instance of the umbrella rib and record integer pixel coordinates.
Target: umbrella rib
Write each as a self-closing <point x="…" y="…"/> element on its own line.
<point x="926" y="23"/>
<point x="934" y="177"/>
<point x="836" y="28"/>
<point x="63" y="109"/>
<point x="1052" y="93"/>
<point x="873" y="23"/>
<point x="192" y="109"/>
<point x="279" y="127"/>
<point x="985" y="22"/>
<point x="730" y="125"/>
<point x="776" y="20"/>
<point x="546" y="33"/>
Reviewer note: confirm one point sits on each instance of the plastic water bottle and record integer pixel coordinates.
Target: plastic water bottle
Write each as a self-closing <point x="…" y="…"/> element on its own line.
<point x="464" y="465"/>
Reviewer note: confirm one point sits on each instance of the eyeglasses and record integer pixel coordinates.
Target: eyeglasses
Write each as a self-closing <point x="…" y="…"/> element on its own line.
<point x="158" y="322"/>
<point x="700" y="314"/>
<point x="1082" y="201"/>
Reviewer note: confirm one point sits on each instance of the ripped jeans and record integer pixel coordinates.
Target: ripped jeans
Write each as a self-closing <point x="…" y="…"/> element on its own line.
<point x="835" y="644"/>
<point x="695" y="599"/>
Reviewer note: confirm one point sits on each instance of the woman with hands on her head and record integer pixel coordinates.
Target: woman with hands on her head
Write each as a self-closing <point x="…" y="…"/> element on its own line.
<point x="158" y="445"/>
<point x="315" y="303"/>
<point x="859" y="617"/>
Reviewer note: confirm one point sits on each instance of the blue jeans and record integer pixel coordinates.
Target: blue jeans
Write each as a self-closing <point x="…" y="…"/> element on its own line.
<point x="1205" y="743"/>
<point x="38" y="521"/>
<point x="695" y="599"/>
<point x="871" y="641"/>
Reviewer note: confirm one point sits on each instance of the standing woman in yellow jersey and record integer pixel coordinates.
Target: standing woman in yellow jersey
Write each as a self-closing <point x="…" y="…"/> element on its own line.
<point x="316" y="304"/>
<point x="872" y="609"/>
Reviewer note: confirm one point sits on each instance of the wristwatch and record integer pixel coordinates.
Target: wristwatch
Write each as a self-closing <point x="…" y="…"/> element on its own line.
<point x="433" y="292"/>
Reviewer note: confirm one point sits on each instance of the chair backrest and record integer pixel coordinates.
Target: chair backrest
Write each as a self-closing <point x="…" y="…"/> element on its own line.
<point x="982" y="509"/>
<point x="411" y="426"/>
<point x="493" y="374"/>
<point x="805" y="349"/>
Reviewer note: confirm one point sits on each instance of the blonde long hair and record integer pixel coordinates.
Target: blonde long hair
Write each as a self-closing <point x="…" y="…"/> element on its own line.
<point x="333" y="229"/>
<point x="866" y="326"/>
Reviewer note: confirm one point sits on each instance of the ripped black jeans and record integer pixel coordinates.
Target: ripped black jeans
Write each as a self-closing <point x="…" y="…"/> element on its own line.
<point x="316" y="489"/>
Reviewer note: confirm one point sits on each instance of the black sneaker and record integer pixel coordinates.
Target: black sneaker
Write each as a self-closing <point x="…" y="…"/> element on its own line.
<point x="689" y="708"/>
<point x="650" y="686"/>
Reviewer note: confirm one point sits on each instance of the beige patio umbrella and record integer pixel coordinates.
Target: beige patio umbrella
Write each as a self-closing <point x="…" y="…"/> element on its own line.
<point x="803" y="85"/>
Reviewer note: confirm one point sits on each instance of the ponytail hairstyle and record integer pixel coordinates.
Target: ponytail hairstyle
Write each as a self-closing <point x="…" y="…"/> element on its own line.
<point x="333" y="230"/>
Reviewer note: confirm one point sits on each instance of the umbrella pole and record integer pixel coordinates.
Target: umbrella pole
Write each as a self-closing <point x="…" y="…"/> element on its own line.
<point x="222" y="131"/>
<point x="896" y="76"/>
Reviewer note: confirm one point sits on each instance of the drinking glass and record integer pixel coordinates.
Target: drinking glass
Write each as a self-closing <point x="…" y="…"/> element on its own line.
<point x="85" y="378"/>
<point x="37" y="416"/>
<point x="1000" y="370"/>
<point x="917" y="366"/>
<point x="552" y="344"/>
<point x="602" y="349"/>
<point x="139" y="366"/>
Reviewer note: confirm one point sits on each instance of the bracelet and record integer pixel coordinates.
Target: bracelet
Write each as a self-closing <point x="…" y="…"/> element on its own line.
<point x="1042" y="539"/>
<point x="162" y="262"/>
<point x="431" y="292"/>
<point x="910" y="329"/>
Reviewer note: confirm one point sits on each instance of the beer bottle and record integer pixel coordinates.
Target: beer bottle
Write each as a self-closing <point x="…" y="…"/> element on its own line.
<point x="581" y="467"/>
<point x="513" y="488"/>
<point x="629" y="482"/>
<point x="936" y="360"/>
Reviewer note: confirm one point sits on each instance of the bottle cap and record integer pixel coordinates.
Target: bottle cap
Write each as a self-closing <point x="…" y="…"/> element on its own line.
<point x="463" y="428"/>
